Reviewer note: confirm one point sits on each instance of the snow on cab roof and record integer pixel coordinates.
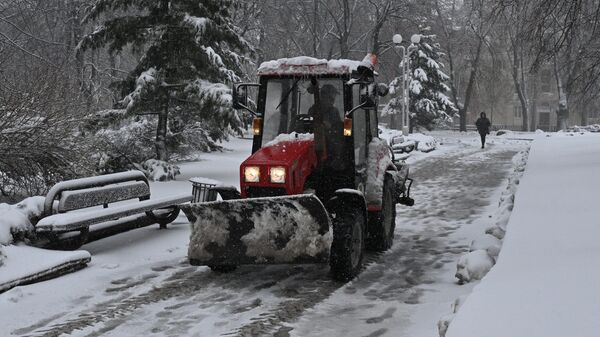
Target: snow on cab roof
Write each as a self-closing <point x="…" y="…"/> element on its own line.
<point x="304" y="65"/>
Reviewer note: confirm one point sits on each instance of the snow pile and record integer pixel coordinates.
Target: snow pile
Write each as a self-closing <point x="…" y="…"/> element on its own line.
<point x="378" y="161"/>
<point x="507" y="199"/>
<point x="487" y="243"/>
<point x="158" y="170"/>
<point x="400" y="142"/>
<point x="16" y="221"/>
<point x="424" y="143"/>
<point x="400" y="145"/>
<point x="302" y="65"/>
<point x="580" y="129"/>
<point x="545" y="283"/>
<point x="445" y="321"/>
<point x="504" y="133"/>
<point x="290" y="137"/>
<point x="474" y="265"/>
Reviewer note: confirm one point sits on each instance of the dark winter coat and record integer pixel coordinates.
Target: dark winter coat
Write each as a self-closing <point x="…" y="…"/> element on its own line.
<point x="483" y="125"/>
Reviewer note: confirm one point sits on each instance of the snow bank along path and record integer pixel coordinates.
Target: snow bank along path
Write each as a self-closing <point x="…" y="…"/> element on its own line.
<point x="546" y="281"/>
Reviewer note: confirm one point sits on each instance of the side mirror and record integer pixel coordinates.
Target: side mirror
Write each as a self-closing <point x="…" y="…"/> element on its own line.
<point x="239" y="97"/>
<point x="367" y="99"/>
<point x="367" y="102"/>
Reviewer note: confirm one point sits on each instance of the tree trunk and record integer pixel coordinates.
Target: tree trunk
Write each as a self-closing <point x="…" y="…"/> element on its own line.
<point x="533" y="124"/>
<point x="519" y="88"/>
<point x="563" y="108"/>
<point x="470" y="85"/>
<point x="315" y="27"/>
<point x="161" y="129"/>
<point x="345" y="34"/>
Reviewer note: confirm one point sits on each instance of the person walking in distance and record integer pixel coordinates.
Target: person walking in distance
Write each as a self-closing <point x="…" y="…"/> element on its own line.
<point x="483" y="125"/>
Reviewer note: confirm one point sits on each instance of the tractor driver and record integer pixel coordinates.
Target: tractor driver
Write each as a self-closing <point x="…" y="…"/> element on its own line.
<point x="334" y="126"/>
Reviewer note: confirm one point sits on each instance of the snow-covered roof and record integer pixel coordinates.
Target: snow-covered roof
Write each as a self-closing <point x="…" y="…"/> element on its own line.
<point x="304" y="65"/>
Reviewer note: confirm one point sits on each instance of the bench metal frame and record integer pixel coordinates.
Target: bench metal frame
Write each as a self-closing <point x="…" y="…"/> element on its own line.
<point x="79" y="184"/>
<point x="49" y="228"/>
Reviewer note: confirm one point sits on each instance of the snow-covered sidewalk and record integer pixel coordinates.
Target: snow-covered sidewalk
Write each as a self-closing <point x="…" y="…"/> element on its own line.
<point x="546" y="281"/>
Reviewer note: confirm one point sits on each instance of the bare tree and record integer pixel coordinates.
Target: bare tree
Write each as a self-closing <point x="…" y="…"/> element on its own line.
<point x="466" y="26"/>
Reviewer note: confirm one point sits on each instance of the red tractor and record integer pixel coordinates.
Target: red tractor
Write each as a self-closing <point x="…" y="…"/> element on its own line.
<point x="319" y="186"/>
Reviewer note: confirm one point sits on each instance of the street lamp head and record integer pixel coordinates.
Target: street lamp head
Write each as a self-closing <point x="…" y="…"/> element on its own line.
<point x="397" y="39"/>
<point x="416" y="38"/>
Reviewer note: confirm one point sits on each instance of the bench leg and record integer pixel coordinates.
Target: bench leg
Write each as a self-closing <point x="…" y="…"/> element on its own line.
<point x="165" y="219"/>
<point x="54" y="241"/>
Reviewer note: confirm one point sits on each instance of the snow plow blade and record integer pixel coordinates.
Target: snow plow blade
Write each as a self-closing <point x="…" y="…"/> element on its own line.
<point x="271" y="230"/>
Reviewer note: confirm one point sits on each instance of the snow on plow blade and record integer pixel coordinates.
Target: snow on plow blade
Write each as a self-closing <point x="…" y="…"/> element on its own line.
<point x="272" y="230"/>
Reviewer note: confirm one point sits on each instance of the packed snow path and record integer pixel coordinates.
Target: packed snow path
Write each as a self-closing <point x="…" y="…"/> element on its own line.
<point x="400" y="293"/>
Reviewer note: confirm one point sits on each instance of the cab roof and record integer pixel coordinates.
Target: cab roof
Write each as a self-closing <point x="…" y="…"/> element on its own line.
<point x="307" y="66"/>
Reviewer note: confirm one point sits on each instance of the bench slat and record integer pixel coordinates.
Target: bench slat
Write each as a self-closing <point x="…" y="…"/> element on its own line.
<point x="66" y="222"/>
<point x="89" y="197"/>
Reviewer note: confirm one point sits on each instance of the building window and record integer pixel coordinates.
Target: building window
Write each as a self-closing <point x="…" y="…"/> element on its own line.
<point x="546" y="81"/>
<point x="593" y="114"/>
<point x="545" y="107"/>
<point x="517" y="110"/>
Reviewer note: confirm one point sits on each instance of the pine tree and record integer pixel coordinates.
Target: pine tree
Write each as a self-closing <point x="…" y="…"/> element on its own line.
<point x="394" y="106"/>
<point x="189" y="50"/>
<point x="428" y="101"/>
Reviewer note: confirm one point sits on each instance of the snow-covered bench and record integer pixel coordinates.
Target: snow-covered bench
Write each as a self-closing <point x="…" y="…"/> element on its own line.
<point x="68" y="206"/>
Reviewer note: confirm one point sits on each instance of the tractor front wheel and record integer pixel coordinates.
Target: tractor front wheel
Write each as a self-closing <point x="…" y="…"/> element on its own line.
<point x="348" y="244"/>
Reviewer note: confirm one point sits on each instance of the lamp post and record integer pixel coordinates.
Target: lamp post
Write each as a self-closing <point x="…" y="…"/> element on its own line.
<point x="405" y="68"/>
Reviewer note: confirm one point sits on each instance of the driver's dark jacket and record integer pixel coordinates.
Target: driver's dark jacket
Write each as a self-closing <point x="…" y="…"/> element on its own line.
<point x="334" y="129"/>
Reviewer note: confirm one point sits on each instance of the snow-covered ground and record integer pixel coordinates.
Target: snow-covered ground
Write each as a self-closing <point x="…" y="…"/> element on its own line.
<point x="139" y="282"/>
<point x="546" y="282"/>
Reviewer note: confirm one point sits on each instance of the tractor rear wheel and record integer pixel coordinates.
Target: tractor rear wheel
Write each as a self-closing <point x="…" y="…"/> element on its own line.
<point x="382" y="224"/>
<point x="348" y="244"/>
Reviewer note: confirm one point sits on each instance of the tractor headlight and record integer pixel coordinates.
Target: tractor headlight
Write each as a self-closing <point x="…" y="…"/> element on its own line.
<point x="277" y="175"/>
<point x="252" y="174"/>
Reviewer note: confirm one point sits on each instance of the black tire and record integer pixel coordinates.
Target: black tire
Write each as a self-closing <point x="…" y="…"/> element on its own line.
<point x="222" y="268"/>
<point x="348" y="244"/>
<point x="382" y="224"/>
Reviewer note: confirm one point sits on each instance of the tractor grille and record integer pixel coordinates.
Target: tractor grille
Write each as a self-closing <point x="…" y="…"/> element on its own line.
<point x="258" y="192"/>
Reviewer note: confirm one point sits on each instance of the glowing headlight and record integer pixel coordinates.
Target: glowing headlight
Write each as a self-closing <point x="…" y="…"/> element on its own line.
<point x="277" y="175"/>
<point x="252" y="174"/>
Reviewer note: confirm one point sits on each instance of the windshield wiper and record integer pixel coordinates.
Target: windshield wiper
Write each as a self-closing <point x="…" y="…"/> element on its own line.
<point x="287" y="94"/>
